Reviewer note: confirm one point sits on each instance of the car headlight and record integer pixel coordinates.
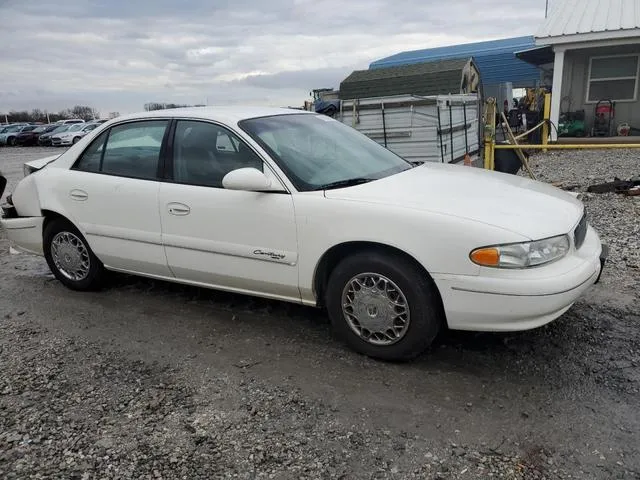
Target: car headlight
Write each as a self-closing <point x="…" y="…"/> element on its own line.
<point x="522" y="255"/>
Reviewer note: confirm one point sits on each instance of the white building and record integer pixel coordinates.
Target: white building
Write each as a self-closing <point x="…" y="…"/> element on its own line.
<point x="594" y="47"/>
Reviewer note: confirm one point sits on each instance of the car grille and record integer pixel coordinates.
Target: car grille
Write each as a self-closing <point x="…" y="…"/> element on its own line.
<point x="580" y="232"/>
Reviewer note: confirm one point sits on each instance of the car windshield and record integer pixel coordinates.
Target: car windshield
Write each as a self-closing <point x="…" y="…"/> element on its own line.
<point x="61" y="128"/>
<point x="39" y="129"/>
<point x="15" y="128"/>
<point x="318" y="152"/>
<point x="75" y="127"/>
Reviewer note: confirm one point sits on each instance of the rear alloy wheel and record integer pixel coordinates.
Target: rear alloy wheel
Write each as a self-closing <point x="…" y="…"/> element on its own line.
<point x="70" y="258"/>
<point x="76" y="140"/>
<point x="383" y="306"/>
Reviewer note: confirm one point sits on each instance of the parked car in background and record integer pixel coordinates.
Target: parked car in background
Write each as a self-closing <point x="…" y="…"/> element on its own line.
<point x="72" y="135"/>
<point x="30" y="137"/>
<point x="11" y="133"/>
<point x="395" y="252"/>
<point x="44" y="140"/>
<point x="70" y="121"/>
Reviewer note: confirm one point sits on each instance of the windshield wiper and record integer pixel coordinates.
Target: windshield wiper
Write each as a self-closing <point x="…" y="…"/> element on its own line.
<point x="345" y="183"/>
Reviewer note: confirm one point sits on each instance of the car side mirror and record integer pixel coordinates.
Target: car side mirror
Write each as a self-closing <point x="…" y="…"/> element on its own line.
<point x="249" y="179"/>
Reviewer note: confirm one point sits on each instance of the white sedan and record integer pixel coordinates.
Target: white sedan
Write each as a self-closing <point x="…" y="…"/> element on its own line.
<point x="73" y="134"/>
<point x="296" y="206"/>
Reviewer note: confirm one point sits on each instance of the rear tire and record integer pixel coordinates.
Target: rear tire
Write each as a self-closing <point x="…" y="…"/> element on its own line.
<point x="383" y="306"/>
<point x="70" y="258"/>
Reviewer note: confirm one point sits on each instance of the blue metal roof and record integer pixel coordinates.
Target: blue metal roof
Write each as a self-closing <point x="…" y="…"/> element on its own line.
<point x="495" y="59"/>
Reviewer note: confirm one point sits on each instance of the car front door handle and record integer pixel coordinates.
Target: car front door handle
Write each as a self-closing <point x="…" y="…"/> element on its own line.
<point x="179" y="209"/>
<point x="79" y="195"/>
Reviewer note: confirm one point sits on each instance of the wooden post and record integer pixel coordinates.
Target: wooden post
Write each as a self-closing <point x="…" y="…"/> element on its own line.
<point x="518" y="151"/>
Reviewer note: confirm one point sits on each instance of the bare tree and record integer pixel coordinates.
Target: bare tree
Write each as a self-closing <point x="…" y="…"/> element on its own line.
<point x="38" y="115"/>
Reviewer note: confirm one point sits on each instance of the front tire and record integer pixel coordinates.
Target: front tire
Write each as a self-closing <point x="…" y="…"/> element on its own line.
<point x="11" y="141"/>
<point x="70" y="258"/>
<point x="383" y="306"/>
<point x="76" y="140"/>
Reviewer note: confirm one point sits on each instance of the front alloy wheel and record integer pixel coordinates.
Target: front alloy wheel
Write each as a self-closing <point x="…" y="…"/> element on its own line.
<point x="383" y="305"/>
<point x="375" y="309"/>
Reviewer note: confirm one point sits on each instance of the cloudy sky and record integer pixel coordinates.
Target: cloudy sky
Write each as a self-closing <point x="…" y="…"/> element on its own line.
<point x="116" y="55"/>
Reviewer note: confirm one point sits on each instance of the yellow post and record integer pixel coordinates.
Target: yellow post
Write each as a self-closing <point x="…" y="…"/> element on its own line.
<point x="489" y="133"/>
<point x="546" y="114"/>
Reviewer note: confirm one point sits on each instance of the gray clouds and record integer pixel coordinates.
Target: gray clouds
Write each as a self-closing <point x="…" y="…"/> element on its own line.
<point x="119" y="54"/>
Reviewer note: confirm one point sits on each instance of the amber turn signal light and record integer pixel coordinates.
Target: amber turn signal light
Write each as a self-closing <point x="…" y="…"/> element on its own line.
<point x="487" y="257"/>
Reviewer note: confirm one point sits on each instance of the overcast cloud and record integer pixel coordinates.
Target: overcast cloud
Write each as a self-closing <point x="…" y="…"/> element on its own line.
<point x="116" y="55"/>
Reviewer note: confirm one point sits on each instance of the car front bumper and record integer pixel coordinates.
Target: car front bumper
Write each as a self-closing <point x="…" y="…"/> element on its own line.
<point x="512" y="300"/>
<point x="24" y="233"/>
<point x="61" y="142"/>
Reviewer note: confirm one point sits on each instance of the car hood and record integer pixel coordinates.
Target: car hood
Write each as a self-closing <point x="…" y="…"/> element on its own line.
<point x="530" y="208"/>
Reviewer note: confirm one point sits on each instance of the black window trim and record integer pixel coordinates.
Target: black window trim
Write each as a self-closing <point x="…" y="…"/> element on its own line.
<point x="104" y="147"/>
<point x="168" y="163"/>
<point x="159" y="170"/>
<point x="166" y="153"/>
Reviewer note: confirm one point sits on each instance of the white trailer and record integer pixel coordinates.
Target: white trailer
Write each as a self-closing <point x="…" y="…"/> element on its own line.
<point x="437" y="128"/>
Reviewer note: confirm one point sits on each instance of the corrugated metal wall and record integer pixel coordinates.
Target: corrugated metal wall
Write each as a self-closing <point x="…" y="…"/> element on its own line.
<point x="495" y="60"/>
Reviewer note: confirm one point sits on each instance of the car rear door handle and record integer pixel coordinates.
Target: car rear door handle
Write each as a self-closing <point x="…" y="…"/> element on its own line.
<point x="79" y="195"/>
<point x="179" y="209"/>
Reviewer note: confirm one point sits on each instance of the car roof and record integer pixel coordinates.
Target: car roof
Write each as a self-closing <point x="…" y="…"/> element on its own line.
<point x="227" y="115"/>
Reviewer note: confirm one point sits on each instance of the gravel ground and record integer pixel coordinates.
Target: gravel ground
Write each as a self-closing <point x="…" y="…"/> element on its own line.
<point x="150" y="380"/>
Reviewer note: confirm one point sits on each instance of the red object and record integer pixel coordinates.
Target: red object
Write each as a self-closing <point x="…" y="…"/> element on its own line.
<point x="605" y="109"/>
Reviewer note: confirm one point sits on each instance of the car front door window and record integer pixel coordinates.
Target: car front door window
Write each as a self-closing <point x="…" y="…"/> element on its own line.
<point x="203" y="153"/>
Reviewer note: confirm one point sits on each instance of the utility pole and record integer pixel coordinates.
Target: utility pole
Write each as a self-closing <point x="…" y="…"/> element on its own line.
<point x="546" y="8"/>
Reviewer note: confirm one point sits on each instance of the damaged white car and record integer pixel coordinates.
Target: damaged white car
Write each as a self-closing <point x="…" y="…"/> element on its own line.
<point x="296" y="206"/>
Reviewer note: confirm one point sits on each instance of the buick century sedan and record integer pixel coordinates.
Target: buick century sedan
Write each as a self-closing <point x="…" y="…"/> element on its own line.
<point x="296" y="206"/>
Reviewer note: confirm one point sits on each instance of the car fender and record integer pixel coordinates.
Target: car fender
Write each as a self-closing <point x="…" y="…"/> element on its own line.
<point x="51" y="199"/>
<point x="439" y="243"/>
<point x="33" y="198"/>
<point x="25" y="198"/>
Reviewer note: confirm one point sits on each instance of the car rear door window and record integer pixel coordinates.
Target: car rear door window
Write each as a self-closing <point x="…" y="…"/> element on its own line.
<point x="203" y="153"/>
<point x="131" y="150"/>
